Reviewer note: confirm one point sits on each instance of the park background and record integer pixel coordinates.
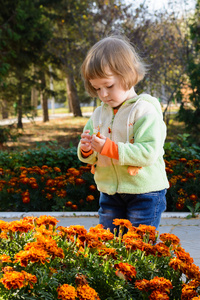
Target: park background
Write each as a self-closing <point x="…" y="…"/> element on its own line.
<point x="43" y="104"/>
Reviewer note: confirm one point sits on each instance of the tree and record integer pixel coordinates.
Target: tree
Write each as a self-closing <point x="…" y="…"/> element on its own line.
<point x="26" y="33"/>
<point x="191" y="115"/>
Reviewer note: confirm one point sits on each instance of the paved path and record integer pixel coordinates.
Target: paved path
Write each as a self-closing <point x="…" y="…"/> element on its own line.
<point x="187" y="230"/>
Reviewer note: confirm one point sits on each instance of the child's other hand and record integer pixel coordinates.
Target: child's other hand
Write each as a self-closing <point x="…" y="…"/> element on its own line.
<point x="133" y="170"/>
<point x="97" y="143"/>
<point x="86" y="141"/>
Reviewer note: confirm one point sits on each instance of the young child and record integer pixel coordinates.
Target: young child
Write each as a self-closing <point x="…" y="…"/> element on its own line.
<point x="124" y="137"/>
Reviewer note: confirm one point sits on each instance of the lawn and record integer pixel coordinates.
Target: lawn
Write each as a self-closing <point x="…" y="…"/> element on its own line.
<point x="65" y="131"/>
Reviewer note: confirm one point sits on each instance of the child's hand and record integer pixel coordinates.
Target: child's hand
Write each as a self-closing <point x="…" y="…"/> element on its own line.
<point x="133" y="170"/>
<point x="98" y="142"/>
<point x="86" y="141"/>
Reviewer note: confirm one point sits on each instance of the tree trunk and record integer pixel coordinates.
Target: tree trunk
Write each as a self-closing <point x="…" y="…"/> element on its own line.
<point x="72" y="96"/>
<point x="44" y="100"/>
<point x="34" y="100"/>
<point x="4" y="109"/>
<point x="19" y="106"/>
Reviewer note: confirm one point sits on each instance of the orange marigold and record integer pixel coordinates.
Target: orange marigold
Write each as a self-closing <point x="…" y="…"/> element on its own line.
<point x="17" y="280"/>
<point x="33" y="255"/>
<point x="90" y="198"/>
<point x="169" y="239"/>
<point x="128" y="271"/>
<point x="21" y="226"/>
<point x="122" y="222"/>
<point x="66" y="292"/>
<point x="158" y="295"/>
<point x="5" y="258"/>
<point x="46" y="220"/>
<point x="85" y="292"/>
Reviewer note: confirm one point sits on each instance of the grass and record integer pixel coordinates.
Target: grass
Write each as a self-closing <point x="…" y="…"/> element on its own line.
<point x="66" y="131"/>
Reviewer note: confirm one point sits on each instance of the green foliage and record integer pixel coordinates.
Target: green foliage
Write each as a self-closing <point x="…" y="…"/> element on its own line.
<point x="43" y="155"/>
<point x="8" y="133"/>
<point x="191" y="115"/>
<point x="183" y="147"/>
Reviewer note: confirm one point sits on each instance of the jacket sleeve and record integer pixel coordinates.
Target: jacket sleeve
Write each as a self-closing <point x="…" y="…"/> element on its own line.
<point x="93" y="157"/>
<point x="149" y="135"/>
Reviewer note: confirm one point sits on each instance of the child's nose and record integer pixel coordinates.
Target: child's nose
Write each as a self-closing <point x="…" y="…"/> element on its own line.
<point x="104" y="92"/>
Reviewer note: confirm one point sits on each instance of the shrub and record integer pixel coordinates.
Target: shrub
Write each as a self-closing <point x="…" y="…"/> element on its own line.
<point x="42" y="261"/>
<point x="61" y="158"/>
<point x="47" y="189"/>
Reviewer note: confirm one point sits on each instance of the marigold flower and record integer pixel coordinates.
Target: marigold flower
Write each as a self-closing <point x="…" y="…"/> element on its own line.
<point x="66" y="292"/>
<point x="92" y="187"/>
<point x="122" y="222"/>
<point x="21" y="226"/>
<point x="5" y="258"/>
<point x="126" y="269"/>
<point x="90" y="198"/>
<point x="142" y="285"/>
<point x="158" y="295"/>
<point x="17" y="280"/>
<point x="74" y="207"/>
<point x="169" y="239"/>
<point x="33" y="255"/>
<point x="68" y="203"/>
<point x="85" y="292"/>
<point x="193" y="197"/>
<point x="26" y="199"/>
<point x="56" y="169"/>
<point x="79" y="181"/>
<point x="78" y="229"/>
<point x="162" y="250"/>
<point x="46" y="220"/>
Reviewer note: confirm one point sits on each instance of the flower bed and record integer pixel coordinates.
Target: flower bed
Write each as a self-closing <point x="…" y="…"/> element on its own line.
<point x="40" y="260"/>
<point x="50" y="189"/>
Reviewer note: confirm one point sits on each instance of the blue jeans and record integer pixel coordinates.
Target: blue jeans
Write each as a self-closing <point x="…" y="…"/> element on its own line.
<point x="137" y="208"/>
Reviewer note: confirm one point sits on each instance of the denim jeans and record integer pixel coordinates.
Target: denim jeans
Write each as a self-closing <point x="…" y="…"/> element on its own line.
<point x="137" y="208"/>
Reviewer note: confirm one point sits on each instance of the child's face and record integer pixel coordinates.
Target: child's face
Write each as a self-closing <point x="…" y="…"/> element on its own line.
<point x="111" y="91"/>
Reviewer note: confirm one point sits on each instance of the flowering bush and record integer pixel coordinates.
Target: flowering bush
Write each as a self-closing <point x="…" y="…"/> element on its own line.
<point x="48" y="189"/>
<point x="40" y="260"/>
<point x="184" y="191"/>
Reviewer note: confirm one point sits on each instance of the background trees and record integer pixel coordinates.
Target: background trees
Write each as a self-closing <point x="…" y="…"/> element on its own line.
<point x="58" y="33"/>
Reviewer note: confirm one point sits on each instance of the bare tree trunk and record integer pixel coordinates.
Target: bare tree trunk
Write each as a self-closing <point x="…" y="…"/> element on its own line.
<point x="44" y="100"/>
<point x="72" y="96"/>
<point x="4" y="109"/>
<point x="19" y="106"/>
<point x="34" y="100"/>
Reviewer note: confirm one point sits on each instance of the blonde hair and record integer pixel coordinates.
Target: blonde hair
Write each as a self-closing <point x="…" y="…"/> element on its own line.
<point x="115" y="54"/>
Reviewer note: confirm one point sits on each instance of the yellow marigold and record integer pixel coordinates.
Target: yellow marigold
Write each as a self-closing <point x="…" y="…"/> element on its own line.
<point x="85" y="292"/>
<point x="169" y="239"/>
<point x="17" y="280"/>
<point x="66" y="292"/>
<point x="126" y="270"/>
<point x="122" y="222"/>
